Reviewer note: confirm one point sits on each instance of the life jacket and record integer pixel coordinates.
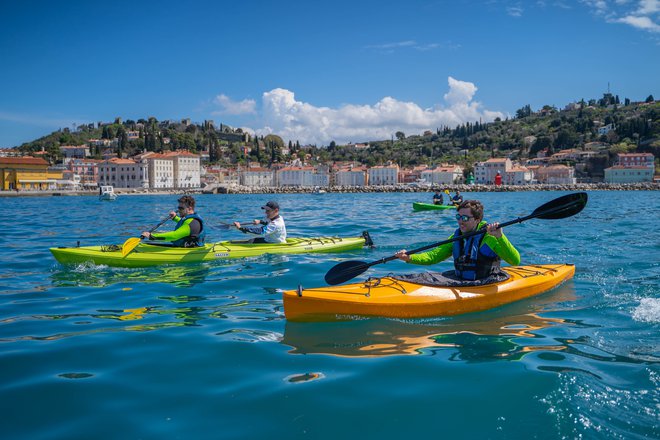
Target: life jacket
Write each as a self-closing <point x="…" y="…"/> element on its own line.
<point x="472" y="259"/>
<point x="191" y="240"/>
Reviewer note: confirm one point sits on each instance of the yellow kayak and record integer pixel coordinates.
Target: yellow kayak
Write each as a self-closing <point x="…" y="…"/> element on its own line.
<point x="389" y="297"/>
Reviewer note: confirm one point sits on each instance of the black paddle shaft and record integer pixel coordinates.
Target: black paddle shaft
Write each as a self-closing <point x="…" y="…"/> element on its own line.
<point x="561" y="207"/>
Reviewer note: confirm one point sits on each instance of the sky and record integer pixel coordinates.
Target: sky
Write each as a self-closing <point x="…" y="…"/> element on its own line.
<point x="316" y="71"/>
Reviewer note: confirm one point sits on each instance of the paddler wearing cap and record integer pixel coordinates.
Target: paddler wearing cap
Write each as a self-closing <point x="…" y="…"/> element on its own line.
<point x="271" y="229"/>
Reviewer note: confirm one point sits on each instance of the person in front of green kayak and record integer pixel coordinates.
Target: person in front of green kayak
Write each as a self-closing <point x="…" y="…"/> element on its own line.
<point x="437" y="198"/>
<point x="476" y="257"/>
<point x="271" y="229"/>
<point x="189" y="230"/>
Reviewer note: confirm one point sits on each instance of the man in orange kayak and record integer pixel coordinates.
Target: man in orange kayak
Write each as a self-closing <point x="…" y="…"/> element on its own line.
<point x="475" y="257"/>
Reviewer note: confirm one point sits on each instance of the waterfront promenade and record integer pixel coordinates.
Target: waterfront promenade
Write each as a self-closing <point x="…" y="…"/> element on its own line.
<point x="642" y="186"/>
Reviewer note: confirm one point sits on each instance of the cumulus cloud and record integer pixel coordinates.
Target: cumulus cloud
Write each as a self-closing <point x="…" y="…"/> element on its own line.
<point x="643" y="23"/>
<point x="304" y="122"/>
<point x="230" y="107"/>
<point x="514" y="11"/>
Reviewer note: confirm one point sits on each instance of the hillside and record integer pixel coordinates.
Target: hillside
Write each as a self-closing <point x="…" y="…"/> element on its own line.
<point x="634" y="127"/>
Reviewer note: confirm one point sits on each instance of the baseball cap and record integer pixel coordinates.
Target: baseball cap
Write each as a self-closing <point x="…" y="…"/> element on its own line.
<point x="271" y="205"/>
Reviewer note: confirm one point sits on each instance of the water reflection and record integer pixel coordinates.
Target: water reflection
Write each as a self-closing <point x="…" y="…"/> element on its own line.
<point x="471" y="339"/>
<point x="100" y="276"/>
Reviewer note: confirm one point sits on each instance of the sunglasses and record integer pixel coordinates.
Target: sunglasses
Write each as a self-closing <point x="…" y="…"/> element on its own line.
<point x="463" y="218"/>
<point x="181" y="208"/>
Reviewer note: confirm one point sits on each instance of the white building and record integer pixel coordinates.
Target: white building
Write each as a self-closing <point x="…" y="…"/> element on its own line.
<point x="517" y="175"/>
<point x="485" y="172"/>
<point x="631" y="174"/>
<point x="445" y="175"/>
<point x="260" y="177"/>
<point x="556" y="175"/>
<point x="351" y="176"/>
<point x="302" y="176"/>
<point x="160" y="171"/>
<point x="186" y="169"/>
<point x="122" y="173"/>
<point x="384" y="175"/>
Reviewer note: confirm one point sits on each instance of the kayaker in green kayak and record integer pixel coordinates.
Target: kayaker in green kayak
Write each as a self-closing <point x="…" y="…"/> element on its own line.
<point x="189" y="230"/>
<point x="476" y="257"/>
<point x="457" y="199"/>
<point x="437" y="198"/>
<point x="271" y="229"/>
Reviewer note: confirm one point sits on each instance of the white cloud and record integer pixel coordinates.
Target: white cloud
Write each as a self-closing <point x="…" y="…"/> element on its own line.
<point x="643" y="23"/>
<point x="229" y="107"/>
<point x="640" y="14"/>
<point x="514" y="11"/>
<point x="304" y="122"/>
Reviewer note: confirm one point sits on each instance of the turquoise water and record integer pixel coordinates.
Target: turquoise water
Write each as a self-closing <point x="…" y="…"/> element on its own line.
<point x="203" y="351"/>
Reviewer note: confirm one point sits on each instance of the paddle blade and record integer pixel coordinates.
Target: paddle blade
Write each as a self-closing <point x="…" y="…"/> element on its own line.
<point x="345" y="271"/>
<point x="561" y="207"/>
<point x="129" y="245"/>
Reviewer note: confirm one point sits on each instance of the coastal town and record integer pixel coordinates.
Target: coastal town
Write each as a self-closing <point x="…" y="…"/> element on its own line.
<point x="600" y="142"/>
<point x="182" y="170"/>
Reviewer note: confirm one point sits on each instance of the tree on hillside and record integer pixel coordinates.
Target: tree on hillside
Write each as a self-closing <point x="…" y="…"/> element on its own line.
<point x="400" y="135"/>
<point x="649" y="99"/>
<point x="524" y="112"/>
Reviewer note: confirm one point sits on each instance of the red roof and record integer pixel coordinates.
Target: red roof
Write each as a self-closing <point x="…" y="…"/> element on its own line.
<point x="22" y="161"/>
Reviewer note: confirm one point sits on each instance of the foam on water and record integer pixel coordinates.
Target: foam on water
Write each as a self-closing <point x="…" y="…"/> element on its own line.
<point x="648" y="310"/>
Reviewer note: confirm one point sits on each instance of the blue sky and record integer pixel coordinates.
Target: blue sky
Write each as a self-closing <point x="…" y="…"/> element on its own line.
<point x="315" y="71"/>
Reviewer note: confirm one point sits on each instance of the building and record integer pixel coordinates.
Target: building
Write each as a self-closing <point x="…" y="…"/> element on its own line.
<point x="257" y="176"/>
<point x="25" y="174"/>
<point x="517" y="175"/>
<point x="302" y="176"/>
<point x="87" y="171"/>
<point x="383" y="175"/>
<point x="160" y="171"/>
<point x="630" y="174"/>
<point x="555" y="174"/>
<point x="351" y="176"/>
<point x="122" y="173"/>
<point x="485" y="172"/>
<point x="635" y="160"/>
<point x="74" y="152"/>
<point x="186" y="169"/>
<point x="443" y="175"/>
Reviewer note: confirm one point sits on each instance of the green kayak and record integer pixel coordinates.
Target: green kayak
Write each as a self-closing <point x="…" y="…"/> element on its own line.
<point x="150" y="254"/>
<point x="419" y="206"/>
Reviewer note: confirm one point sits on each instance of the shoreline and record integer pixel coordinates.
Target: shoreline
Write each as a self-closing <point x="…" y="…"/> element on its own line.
<point x="642" y="186"/>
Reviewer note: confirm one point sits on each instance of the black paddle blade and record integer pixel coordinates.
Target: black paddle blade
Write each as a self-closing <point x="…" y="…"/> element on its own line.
<point x="561" y="207"/>
<point x="342" y="272"/>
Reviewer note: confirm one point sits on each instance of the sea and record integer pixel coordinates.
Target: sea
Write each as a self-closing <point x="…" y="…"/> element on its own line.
<point x="203" y="351"/>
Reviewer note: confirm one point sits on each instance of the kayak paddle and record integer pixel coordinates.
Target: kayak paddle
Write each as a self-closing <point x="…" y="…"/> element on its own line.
<point x="224" y="226"/>
<point x="132" y="242"/>
<point x="561" y="207"/>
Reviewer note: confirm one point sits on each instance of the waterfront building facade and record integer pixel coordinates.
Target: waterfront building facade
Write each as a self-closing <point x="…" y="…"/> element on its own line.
<point x="25" y="173"/>
<point x="443" y="175"/>
<point x="383" y="175"/>
<point x="122" y="173"/>
<point x="629" y="174"/>
<point x="485" y="172"/>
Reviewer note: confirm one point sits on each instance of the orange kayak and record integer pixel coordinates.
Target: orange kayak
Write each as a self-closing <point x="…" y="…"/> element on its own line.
<point x="389" y="297"/>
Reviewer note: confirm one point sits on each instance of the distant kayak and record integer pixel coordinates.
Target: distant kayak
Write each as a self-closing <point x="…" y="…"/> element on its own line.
<point x="419" y="206"/>
<point x="393" y="298"/>
<point x="149" y="254"/>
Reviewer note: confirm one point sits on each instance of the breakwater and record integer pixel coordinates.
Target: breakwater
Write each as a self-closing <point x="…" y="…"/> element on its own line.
<point x="643" y="186"/>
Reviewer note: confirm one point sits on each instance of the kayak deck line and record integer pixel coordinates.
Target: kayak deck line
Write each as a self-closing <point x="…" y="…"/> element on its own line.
<point x="153" y="254"/>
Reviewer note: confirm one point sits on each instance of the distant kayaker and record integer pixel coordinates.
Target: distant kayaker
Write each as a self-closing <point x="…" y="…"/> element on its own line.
<point x="271" y="229"/>
<point x="437" y="198"/>
<point x="457" y="199"/>
<point x="189" y="230"/>
<point x="476" y="257"/>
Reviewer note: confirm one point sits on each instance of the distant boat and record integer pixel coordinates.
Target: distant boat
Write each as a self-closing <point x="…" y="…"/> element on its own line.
<point x="107" y="193"/>
<point x="319" y="191"/>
